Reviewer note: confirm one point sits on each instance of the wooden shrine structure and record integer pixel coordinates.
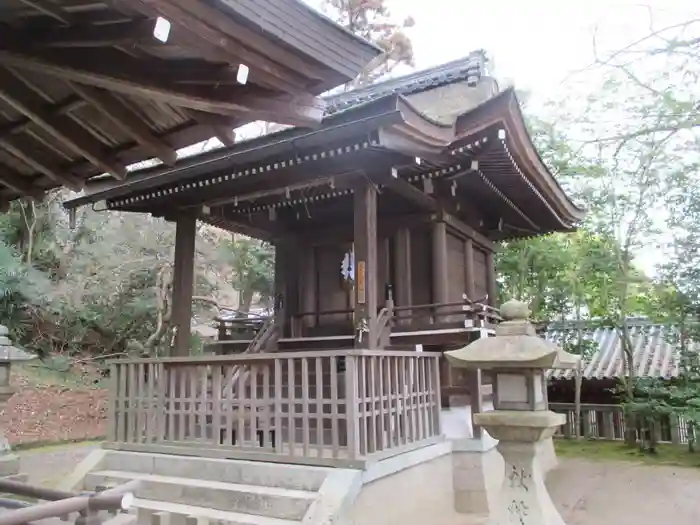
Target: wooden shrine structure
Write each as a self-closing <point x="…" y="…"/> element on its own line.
<point x="385" y="220"/>
<point x="88" y="88"/>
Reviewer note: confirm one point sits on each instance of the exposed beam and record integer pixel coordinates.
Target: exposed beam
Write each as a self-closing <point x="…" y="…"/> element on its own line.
<point x="61" y="108"/>
<point x="125" y="33"/>
<point x="223" y="127"/>
<point x="19" y="183"/>
<point x="130" y="78"/>
<point x="30" y="158"/>
<point x="411" y="193"/>
<point x="126" y="120"/>
<point x="52" y="11"/>
<point x="63" y="129"/>
<point x="262" y="67"/>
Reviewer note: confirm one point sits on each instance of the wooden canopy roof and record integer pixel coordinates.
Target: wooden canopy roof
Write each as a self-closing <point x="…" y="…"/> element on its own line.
<point x="90" y="87"/>
<point x="484" y="162"/>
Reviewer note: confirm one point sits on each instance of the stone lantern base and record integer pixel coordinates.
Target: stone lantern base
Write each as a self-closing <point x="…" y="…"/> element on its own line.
<point x="477" y="474"/>
<point x="523" y="497"/>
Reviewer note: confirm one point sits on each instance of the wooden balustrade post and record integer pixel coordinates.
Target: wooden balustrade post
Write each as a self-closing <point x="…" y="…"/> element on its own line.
<point x="351" y="406"/>
<point x="113" y="410"/>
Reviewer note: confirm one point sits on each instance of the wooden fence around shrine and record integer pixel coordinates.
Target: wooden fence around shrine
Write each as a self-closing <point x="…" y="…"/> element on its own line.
<point x="607" y="422"/>
<point x="328" y="407"/>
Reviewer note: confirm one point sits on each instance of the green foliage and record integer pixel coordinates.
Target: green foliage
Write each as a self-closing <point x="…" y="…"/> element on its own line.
<point x="253" y="268"/>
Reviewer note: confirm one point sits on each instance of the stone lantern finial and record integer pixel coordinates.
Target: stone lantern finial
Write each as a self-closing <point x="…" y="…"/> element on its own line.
<point x="514" y="310"/>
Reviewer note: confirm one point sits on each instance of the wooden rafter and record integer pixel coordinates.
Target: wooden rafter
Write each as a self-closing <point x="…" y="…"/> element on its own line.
<point x="127" y="120"/>
<point x="42" y="7"/>
<point x="124" y="33"/>
<point x="19" y="183"/>
<point x="15" y="93"/>
<point x="221" y="126"/>
<point x="302" y="110"/>
<point x="30" y="158"/>
<point x="262" y="68"/>
<point x="60" y="108"/>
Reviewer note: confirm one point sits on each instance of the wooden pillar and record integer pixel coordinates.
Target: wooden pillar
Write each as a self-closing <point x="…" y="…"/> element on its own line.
<point x="404" y="292"/>
<point x="440" y="281"/>
<point x="365" y="241"/>
<point x="309" y="285"/>
<point x="491" y="278"/>
<point x="281" y="291"/>
<point x="183" y="283"/>
<point x="469" y="269"/>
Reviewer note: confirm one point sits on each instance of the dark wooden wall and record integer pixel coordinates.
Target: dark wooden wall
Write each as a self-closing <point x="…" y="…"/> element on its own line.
<point x="313" y="282"/>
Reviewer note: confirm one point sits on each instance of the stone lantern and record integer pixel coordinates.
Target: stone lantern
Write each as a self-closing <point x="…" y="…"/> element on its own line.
<point x="9" y="462"/>
<point x="521" y="421"/>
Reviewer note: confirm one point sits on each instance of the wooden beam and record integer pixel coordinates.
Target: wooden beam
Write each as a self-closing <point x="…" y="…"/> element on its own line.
<point x="129" y="77"/>
<point x="31" y="159"/>
<point x="127" y="120"/>
<point x="19" y="184"/>
<point x="73" y="136"/>
<point x="411" y="193"/>
<point x="221" y="126"/>
<point x="127" y="33"/>
<point x="51" y="11"/>
<point x="60" y="108"/>
<point x="237" y="51"/>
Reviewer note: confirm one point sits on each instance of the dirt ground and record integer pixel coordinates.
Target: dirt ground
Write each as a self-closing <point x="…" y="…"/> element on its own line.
<point x="614" y="493"/>
<point x="585" y="492"/>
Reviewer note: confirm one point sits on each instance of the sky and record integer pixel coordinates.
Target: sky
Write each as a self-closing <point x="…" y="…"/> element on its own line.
<point x="536" y="44"/>
<point x="544" y="47"/>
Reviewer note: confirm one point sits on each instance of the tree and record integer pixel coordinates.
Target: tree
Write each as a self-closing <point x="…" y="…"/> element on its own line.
<point x="372" y="20"/>
<point x="252" y="266"/>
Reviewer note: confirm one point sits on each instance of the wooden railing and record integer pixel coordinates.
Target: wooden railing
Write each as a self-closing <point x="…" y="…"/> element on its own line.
<point x="330" y="407"/>
<point x="239" y="327"/>
<point x="480" y="315"/>
<point x="607" y="422"/>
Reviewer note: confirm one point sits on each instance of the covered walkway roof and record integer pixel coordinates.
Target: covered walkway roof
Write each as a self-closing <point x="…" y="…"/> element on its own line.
<point x="88" y="87"/>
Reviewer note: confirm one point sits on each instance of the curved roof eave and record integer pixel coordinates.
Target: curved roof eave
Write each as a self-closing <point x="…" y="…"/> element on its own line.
<point x="504" y="108"/>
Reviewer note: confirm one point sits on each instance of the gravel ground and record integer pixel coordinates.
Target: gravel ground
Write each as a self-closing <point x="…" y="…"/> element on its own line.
<point x="46" y="466"/>
<point x="613" y="493"/>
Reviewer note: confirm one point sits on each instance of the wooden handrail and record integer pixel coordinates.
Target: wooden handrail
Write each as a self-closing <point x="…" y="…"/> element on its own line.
<point x="242" y="358"/>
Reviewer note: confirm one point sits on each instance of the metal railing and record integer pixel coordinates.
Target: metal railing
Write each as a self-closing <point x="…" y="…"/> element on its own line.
<point x="61" y="504"/>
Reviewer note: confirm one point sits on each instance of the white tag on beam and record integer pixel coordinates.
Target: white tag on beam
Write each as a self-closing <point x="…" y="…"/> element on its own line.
<point x="161" y="31"/>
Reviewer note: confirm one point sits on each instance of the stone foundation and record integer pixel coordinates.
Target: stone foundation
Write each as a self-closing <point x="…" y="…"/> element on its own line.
<point x="477" y="474"/>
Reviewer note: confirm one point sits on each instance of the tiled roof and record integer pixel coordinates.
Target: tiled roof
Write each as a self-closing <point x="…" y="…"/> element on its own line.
<point x="469" y="68"/>
<point x="655" y="355"/>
